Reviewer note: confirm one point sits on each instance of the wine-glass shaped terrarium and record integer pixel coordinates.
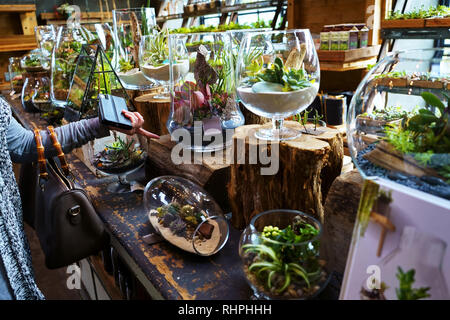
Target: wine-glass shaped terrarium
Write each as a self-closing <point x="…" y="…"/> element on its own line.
<point x="277" y="77"/>
<point x="202" y="85"/>
<point x="398" y="124"/>
<point x="129" y="26"/>
<point x="185" y="215"/>
<point x="154" y="61"/>
<point x="280" y="255"/>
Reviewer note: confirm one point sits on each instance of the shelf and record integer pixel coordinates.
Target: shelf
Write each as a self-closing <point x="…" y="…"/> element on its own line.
<point x="17" y="8"/>
<point x="220" y="9"/>
<point x="348" y="55"/>
<point x="415" y="23"/>
<point x="416" y="33"/>
<point x="18" y="43"/>
<point x="346" y="66"/>
<point x="415" y="91"/>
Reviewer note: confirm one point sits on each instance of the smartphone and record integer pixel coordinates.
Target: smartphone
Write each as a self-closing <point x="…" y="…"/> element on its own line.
<point x="110" y="111"/>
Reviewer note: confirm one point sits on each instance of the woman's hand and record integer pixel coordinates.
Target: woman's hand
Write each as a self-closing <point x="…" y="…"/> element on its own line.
<point x="137" y="122"/>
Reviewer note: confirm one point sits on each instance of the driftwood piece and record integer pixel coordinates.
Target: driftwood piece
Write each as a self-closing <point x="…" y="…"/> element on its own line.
<point x="307" y="167"/>
<point x="386" y="156"/>
<point x="155" y="112"/>
<point x="212" y="172"/>
<point x="341" y="208"/>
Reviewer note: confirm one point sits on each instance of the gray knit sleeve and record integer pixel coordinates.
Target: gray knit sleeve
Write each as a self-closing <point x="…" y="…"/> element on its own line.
<point x="22" y="147"/>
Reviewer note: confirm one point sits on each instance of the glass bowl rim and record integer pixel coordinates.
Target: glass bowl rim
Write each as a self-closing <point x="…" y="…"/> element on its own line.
<point x="296" y="212"/>
<point x="223" y="243"/>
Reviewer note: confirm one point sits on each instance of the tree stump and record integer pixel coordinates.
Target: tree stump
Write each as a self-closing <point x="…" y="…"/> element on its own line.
<point x="307" y="167"/>
<point x="155" y="112"/>
<point x="250" y="117"/>
<point x="212" y="172"/>
<point x="341" y="208"/>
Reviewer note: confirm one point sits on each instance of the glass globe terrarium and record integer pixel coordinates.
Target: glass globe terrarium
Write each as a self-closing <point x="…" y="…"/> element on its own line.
<point x="398" y="121"/>
<point x="117" y="155"/>
<point x="185" y="215"/>
<point x="280" y="255"/>
<point x="203" y="103"/>
<point x="278" y="76"/>
<point x="129" y="26"/>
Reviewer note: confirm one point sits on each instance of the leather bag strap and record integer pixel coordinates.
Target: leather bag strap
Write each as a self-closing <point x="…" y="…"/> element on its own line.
<point x="41" y="157"/>
<point x="58" y="148"/>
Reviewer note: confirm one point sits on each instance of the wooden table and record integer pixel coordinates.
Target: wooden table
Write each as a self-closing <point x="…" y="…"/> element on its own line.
<point x="165" y="271"/>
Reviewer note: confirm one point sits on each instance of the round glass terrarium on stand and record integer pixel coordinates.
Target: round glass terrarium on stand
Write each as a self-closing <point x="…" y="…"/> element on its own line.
<point x="280" y="255"/>
<point x="15" y="74"/>
<point x="185" y="215"/>
<point x="204" y="111"/>
<point x="278" y="76"/>
<point x="117" y="155"/>
<point x="398" y="121"/>
<point x="129" y="25"/>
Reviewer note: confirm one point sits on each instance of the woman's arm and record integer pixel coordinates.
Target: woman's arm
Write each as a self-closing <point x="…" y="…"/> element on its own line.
<point x="22" y="146"/>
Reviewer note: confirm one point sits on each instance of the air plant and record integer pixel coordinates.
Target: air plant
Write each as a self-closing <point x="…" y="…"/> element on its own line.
<point x="405" y="291"/>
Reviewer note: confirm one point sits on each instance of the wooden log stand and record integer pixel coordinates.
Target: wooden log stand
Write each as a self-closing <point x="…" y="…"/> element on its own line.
<point x="250" y="117"/>
<point x="212" y="172"/>
<point x="155" y="112"/>
<point x="307" y="167"/>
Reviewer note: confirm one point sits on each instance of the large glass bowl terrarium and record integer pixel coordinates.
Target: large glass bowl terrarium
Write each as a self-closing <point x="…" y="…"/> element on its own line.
<point x="277" y="76"/>
<point x="185" y="215"/>
<point x="129" y="25"/>
<point x="280" y="255"/>
<point x="202" y="84"/>
<point x="398" y="125"/>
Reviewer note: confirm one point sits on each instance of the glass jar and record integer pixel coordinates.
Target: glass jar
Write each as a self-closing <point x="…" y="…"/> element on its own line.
<point x="36" y="92"/>
<point x="397" y="123"/>
<point x="202" y="86"/>
<point x="129" y="25"/>
<point x="15" y="74"/>
<point x="34" y="61"/>
<point x="68" y="46"/>
<point x="280" y="255"/>
<point x="46" y="38"/>
<point x="185" y="215"/>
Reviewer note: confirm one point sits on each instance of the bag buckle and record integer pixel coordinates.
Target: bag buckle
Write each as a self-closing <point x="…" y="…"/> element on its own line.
<point x="74" y="214"/>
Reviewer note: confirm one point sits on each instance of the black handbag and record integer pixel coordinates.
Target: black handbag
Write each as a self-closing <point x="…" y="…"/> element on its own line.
<point x="65" y="220"/>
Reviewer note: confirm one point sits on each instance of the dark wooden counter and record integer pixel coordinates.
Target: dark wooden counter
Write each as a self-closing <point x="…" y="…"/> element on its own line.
<point x="165" y="271"/>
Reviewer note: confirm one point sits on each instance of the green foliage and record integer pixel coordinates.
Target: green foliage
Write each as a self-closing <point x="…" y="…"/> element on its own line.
<point x="157" y="50"/>
<point x="291" y="79"/>
<point x="405" y="291"/>
<point x="125" y="65"/>
<point x="219" y="28"/>
<point x="421" y="13"/>
<point x="120" y="149"/>
<point x="388" y="114"/>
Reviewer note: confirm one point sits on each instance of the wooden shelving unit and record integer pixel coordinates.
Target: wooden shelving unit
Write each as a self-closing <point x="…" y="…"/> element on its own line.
<point x="86" y="17"/>
<point x="17" y="43"/>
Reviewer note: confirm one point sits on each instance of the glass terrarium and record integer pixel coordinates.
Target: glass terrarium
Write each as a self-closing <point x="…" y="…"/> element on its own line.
<point x="185" y="215"/>
<point x="398" y="121"/>
<point x="280" y="255"/>
<point x="203" y="95"/>
<point x="277" y="77"/>
<point x="129" y="26"/>
<point x="93" y="75"/>
<point x="15" y="74"/>
<point x="69" y="40"/>
<point x="35" y="62"/>
<point x="117" y="155"/>
<point x="46" y="38"/>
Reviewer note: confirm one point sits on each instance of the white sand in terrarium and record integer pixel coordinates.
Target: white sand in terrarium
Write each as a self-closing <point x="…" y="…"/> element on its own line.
<point x="134" y="77"/>
<point x="267" y="104"/>
<point x="162" y="73"/>
<point x="206" y="246"/>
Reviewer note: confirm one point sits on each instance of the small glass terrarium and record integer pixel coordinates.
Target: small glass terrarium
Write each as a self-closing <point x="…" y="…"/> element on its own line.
<point x="129" y="25"/>
<point x="35" y="62"/>
<point x="280" y="255"/>
<point x="202" y="86"/>
<point x="46" y="38"/>
<point x="185" y="215"/>
<point x="15" y="74"/>
<point x="398" y="121"/>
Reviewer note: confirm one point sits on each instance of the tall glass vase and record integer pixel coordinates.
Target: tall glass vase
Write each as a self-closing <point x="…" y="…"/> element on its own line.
<point x="129" y="25"/>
